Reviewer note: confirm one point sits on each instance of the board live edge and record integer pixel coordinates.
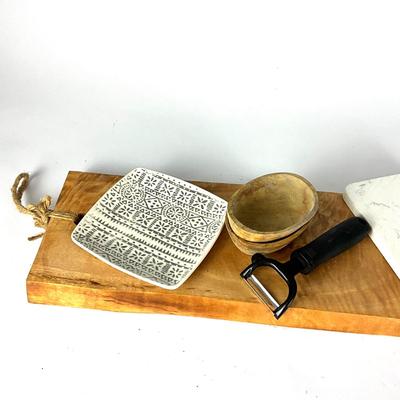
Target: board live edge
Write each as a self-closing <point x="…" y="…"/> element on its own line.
<point x="355" y="292"/>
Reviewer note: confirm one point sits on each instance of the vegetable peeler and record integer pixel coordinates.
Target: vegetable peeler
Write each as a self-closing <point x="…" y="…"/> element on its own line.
<point x="331" y="243"/>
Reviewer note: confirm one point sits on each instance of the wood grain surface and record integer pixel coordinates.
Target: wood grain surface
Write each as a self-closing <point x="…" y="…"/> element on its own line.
<point x="355" y="292"/>
<point x="262" y="247"/>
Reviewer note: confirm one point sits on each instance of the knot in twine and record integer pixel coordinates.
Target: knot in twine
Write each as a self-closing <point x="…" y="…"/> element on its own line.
<point x="40" y="212"/>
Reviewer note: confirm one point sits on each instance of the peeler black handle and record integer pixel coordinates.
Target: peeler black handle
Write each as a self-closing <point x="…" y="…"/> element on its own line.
<point x="336" y="240"/>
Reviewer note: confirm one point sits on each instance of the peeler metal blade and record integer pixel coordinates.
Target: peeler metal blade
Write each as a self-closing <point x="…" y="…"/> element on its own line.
<point x="261" y="292"/>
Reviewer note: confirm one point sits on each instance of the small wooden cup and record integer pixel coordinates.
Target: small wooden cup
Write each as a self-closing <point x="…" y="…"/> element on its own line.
<point x="272" y="207"/>
<point x="262" y="247"/>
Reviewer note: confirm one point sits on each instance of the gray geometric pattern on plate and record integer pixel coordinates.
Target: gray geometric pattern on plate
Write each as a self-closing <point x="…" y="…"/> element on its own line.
<point x="153" y="226"/>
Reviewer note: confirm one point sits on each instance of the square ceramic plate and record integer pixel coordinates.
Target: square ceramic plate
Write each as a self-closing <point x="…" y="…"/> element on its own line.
<point x="152" y="226"/>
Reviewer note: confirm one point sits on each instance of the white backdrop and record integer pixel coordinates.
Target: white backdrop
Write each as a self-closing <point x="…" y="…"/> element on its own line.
<point x="212" y="90"/>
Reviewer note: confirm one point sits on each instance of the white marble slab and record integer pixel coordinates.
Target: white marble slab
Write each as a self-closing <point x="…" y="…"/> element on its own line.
<point x="378" y="201"/>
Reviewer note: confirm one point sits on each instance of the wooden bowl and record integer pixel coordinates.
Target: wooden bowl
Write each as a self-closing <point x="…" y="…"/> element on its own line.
<point x="262" y="247"/>
<point x="272" y="207"/>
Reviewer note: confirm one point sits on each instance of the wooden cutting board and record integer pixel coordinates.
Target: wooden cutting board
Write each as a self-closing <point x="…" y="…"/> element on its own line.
<point x="355" y="292"/>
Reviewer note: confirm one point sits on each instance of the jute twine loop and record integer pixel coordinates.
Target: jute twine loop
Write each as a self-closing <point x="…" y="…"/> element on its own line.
<point x="40" y="212"/>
